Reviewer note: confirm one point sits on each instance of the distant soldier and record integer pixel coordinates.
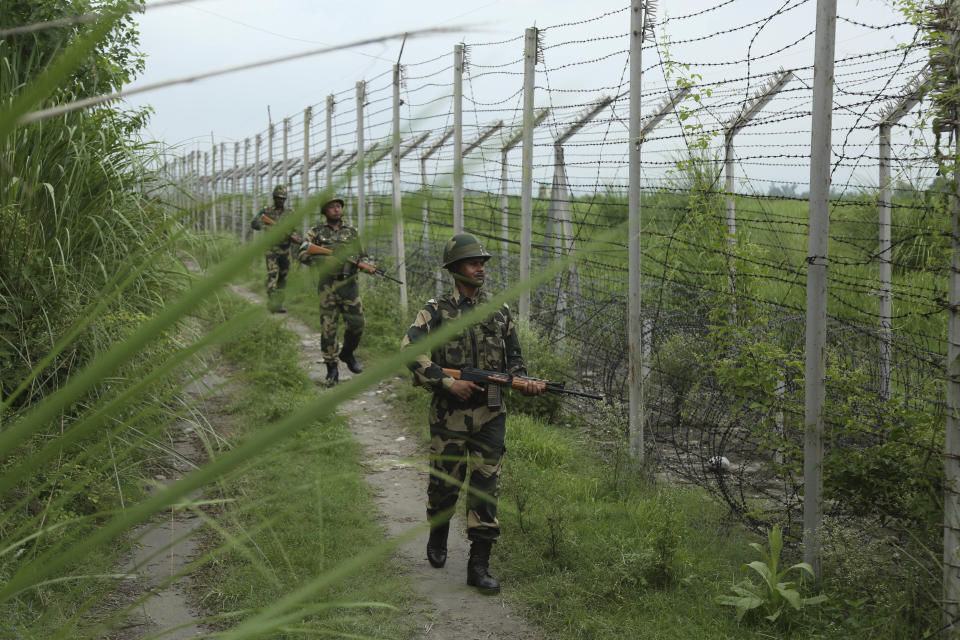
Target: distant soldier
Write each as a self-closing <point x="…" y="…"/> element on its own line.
<point x="278" y="256"/>
<point x="338" y="289"/>
<point x="467" y="425"/>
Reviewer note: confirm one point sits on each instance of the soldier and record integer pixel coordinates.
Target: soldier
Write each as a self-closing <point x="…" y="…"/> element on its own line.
<point x="338" y="288"/>
<point x="465" y="426"/>
<point x="278" y="256"/>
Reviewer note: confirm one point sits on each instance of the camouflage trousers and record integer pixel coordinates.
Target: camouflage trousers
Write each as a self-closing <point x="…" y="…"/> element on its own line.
<point x="278" y="266"/>
<point x="466" y="436"/>
<point x="339" y="298"/>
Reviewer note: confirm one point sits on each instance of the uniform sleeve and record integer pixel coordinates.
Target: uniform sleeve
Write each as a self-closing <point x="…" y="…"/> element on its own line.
<point x="425" y="370"/>
<point x="357" y="250"/>
<point x="302" y="254"/>
<point x="255" y="224"/>
<point x="515" y="363"/>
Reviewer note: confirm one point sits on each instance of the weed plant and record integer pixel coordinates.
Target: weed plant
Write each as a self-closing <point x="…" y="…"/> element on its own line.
<point x="85" y="260"/>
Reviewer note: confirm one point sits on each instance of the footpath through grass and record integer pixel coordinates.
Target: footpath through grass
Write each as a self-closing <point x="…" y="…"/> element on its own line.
<point x="593" y="547"/>
<point x="300" y="511"/>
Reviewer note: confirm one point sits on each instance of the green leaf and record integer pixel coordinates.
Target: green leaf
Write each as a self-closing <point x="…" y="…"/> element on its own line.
<point x="764" y="572"/>
<point x="790" y="595"/>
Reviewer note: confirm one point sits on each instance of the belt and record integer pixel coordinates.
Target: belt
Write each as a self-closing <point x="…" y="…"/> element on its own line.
<point x="341" y="276"/>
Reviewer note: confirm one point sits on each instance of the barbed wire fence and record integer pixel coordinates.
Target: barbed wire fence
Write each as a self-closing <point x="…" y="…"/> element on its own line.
<point x="538" y="166"/>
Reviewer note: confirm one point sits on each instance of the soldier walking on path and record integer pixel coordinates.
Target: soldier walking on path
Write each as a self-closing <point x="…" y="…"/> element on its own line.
<point x="338" y="287"/>
<point x="278" y="256"/>
<point x="467" y="421"/>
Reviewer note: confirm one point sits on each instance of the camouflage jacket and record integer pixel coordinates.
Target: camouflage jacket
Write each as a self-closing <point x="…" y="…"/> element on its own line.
<point x="491" y="343"/>
<point x="282" y="247"/>
<point x="344" y="241"/>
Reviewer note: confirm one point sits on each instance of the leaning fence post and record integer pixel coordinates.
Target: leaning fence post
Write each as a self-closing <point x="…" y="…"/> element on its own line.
<point x="560" y="210"/>
<point x="508" y="144"/>
<point x="423" y="186"/>
<point x="749" y="110"/>
<point x="891" y="116"/>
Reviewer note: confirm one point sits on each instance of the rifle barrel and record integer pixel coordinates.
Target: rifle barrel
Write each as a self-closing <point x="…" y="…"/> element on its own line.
<point x="560" y="388"/>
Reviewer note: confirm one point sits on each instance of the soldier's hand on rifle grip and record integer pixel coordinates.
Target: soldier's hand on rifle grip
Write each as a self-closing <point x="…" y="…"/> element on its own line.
<point x="369" y="268"/>
<point x="463" y="389"/>
<point x="531" y="387"/>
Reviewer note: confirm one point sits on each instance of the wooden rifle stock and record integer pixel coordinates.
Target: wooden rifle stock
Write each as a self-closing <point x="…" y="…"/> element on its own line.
<point x="317" y="250"/>
<point x="483" y="376"/>
<point x="265" y="219"/>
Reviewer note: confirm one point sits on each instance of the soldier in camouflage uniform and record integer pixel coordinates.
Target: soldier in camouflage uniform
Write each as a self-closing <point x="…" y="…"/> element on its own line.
<point x="278" y="256"/>
<point x="466" y="427"/>
<point x="338" y="288"/>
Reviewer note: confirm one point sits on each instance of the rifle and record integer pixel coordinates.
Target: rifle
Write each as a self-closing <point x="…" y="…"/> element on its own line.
<point x="265" y="219"/>
<point x="483" y="376"/>
<point x="317" y="250"/>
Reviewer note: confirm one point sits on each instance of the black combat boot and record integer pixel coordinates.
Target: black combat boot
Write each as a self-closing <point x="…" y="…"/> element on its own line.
<point x="333" y="373"/>
<point x="275" y="302"/>
<point x="437" y="545"/>
<point x="350" y="343"/>
<point x="478" y="568"/>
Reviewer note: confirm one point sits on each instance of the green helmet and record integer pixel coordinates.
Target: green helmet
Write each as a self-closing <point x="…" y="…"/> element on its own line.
<point x="462" y="246"/>
<point x="279" y="191"/>
<point x="329" y="202"/>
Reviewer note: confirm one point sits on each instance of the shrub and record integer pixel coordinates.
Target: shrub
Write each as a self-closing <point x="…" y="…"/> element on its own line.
<point x="546" y="360"/>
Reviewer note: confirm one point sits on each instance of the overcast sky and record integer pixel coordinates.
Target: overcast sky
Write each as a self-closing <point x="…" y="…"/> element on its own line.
<point x="211" y="34"/>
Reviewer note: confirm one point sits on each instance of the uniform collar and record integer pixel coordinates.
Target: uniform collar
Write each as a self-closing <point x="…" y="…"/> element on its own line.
<point x="464" y="301"/>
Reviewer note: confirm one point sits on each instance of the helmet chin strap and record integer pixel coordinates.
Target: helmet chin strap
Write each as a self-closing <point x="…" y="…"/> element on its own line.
<point x="469" y="281"/>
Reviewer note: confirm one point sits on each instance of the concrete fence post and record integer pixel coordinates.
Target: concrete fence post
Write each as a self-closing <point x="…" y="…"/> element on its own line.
<point x="458" y="138"/>
<point x="817" y="262"/>
<point x="526" y="169"/>
<point x="361" y="165"/>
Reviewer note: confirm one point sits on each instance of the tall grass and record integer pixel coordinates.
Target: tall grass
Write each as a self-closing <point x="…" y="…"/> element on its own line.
<point x="96" y="351"/>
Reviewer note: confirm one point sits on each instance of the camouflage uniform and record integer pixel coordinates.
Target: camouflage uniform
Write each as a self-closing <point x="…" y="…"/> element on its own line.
<point x="277" y="256"/>
<point x="469" y="429"/>
<point x="338" y="288"/>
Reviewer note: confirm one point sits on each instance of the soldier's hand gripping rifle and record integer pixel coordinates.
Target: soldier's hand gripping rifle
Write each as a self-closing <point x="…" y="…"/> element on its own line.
<point x="494" y="380"/>
<point x="317" y="250"/>
<point x="481" y="376"/>
<point x="265" y="219"/>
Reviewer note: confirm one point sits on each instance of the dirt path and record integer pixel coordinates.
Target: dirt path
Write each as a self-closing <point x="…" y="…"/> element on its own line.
<point x="450" y="608"/>
<point x="166" y="545"/>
